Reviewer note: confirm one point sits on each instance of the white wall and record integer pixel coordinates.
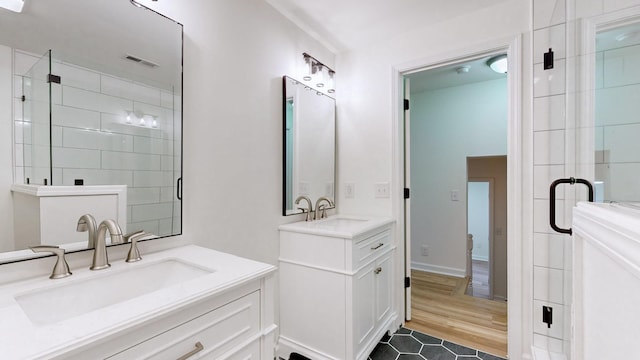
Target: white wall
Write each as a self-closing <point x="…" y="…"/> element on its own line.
<point x="235" y="54"/>
<point x="447" y="126"/>
<point x="6" y="152"/>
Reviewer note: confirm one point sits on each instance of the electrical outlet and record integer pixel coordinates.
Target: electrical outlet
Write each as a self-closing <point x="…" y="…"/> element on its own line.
<point x="349" y="190"/>
<point x="425" y="250"/>
<point x="381" y="190"/>
<point x="455" y="195"/>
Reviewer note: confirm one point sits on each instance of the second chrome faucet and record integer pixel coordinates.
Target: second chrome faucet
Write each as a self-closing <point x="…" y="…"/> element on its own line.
<point x="320" y="212"/>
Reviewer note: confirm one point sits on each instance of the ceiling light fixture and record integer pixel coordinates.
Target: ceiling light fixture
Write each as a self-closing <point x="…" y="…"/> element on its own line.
<point x="13" y="5"/>
<point x="498" y="64"/>
<point x="463" y="69"/>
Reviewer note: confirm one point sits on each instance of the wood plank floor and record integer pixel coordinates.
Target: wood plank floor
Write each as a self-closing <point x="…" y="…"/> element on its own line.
<point x="440" y="308"/>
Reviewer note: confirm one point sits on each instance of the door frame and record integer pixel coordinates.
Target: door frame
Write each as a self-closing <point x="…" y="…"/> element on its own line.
<point x="490" y="181"/>
<point x="519" y="323"/>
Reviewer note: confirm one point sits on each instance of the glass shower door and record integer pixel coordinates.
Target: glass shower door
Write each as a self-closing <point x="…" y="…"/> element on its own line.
<point x="36" y="110"/>
<point x="603" y="100"/>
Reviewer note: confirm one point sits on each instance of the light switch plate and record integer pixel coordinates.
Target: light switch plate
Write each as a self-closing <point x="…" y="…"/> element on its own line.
<point x="381" y="190"/>
<point x="349" y="190"/>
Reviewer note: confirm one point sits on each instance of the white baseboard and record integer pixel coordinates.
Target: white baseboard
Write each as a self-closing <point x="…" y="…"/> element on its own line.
<point x="443" y="270"/>
<point x="480" y="258"/>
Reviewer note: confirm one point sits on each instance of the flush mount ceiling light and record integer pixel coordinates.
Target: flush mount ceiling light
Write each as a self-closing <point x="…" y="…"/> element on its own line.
<point x="13" y="5"/>
<point x="463" y="69"/>
<point x="498" y="64"/>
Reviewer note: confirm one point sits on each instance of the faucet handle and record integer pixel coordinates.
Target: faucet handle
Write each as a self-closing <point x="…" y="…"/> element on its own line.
<point x="307" y="214"/>
<point x="134" y="253"/>
<point x="61" y="268"/>
<point x="127" y="237"/>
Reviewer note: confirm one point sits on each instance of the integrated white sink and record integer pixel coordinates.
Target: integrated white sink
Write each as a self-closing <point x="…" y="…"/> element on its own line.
<point x="344" y="226"/>
<point x="338" y="223"/>
<point x="70" y="299"/>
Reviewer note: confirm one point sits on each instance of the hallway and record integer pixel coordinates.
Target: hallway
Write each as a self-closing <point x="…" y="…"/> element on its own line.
<point x="441" y="309"/>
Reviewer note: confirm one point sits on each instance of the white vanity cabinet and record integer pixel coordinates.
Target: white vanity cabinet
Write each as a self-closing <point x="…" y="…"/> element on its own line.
<point x="205" y="305"/>
<point x="335" y="288"/>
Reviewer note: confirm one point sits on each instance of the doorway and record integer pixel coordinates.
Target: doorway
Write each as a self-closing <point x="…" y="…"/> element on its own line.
<point x="458" y="111"/>
<point x="487" y="226"/>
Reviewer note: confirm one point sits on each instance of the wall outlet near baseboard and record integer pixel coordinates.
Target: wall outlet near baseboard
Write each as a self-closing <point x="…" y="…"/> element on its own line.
<point x="425" y="250"/>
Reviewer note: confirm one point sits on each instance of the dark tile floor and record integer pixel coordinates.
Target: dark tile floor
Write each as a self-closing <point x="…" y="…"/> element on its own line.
<point x="407" y="344"/>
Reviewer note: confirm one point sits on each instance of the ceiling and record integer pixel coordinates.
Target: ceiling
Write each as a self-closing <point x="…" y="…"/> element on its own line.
<point x="447" y="76"/>
<point x="344" y="25"/>
<point x="98" y="34"/>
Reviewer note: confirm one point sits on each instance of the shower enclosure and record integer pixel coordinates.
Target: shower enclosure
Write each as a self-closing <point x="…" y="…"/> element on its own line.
<point x="80" y="126"/>
<point x="589" y="102"/>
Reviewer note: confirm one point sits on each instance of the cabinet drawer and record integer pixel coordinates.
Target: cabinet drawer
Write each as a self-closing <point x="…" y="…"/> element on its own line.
<point x="369" y="248"/>
<point x="218" y="331"/>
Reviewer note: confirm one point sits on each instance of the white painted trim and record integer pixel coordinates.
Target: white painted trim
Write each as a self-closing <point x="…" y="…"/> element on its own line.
<point x="519" y="291"/>
<point x="480" y="258"/>
<point x="437" y="269"/>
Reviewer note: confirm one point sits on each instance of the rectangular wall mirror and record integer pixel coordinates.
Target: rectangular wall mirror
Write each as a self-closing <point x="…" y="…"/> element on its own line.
<point x="309" y="144"/>
<point x="97" y="101"/>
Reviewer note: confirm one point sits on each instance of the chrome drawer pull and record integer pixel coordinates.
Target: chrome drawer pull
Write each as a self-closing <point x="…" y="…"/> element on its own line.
<point x="198" y="348"/>
<point x="377" y="271"/>
<point x="377" y="247"/>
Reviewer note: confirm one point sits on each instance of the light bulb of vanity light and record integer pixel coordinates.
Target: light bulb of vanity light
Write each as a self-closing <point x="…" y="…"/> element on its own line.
<point x="320" y="76"/>
<point x="331" y="82"/>
<point x="128" y="118"/>
<point x="154" y="123"/>
<point x="308" y="68"/>
<point x="142" y="122"/>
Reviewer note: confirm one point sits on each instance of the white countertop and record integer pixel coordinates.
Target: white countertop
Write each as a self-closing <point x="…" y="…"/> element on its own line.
<point x="341" y="226"/>
<point x="20" y="338"/>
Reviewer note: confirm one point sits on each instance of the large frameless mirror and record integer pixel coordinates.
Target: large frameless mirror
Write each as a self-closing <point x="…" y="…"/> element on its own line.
<point x="97" y="103"/>
<point x="309" y="144"/>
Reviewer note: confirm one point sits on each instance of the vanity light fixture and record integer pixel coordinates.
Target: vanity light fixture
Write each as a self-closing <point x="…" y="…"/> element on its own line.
<point x="128" y="118"/>
<point x="142" y="122"/>
<point x="13" y="5"/>
<point x="154" y="122"/>
<point x="498" y="64"/>
<point x="318" y="75"/>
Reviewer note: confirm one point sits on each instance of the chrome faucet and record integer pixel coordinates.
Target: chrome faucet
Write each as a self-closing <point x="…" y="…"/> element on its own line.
<point x="88" y="223"/>
<point x="320" y="206"/>
<point x="100" y="259"/>
<point x="308" y="210"/>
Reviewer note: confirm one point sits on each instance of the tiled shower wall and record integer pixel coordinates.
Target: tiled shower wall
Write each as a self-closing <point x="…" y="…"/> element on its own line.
<point x="92" y="141"/>
<point x="617" y="125"/>
<point x="554" y="112"/>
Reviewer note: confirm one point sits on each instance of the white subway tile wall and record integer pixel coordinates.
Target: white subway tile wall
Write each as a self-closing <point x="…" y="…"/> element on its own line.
<point x="616" y="122"/>
<point x="93" y="141"/>
<point x="549" y="126"/>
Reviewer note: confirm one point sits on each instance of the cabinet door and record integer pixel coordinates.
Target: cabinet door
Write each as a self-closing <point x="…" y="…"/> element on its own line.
<point x="383" y="286"/>
<point x="364" y="303"/>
